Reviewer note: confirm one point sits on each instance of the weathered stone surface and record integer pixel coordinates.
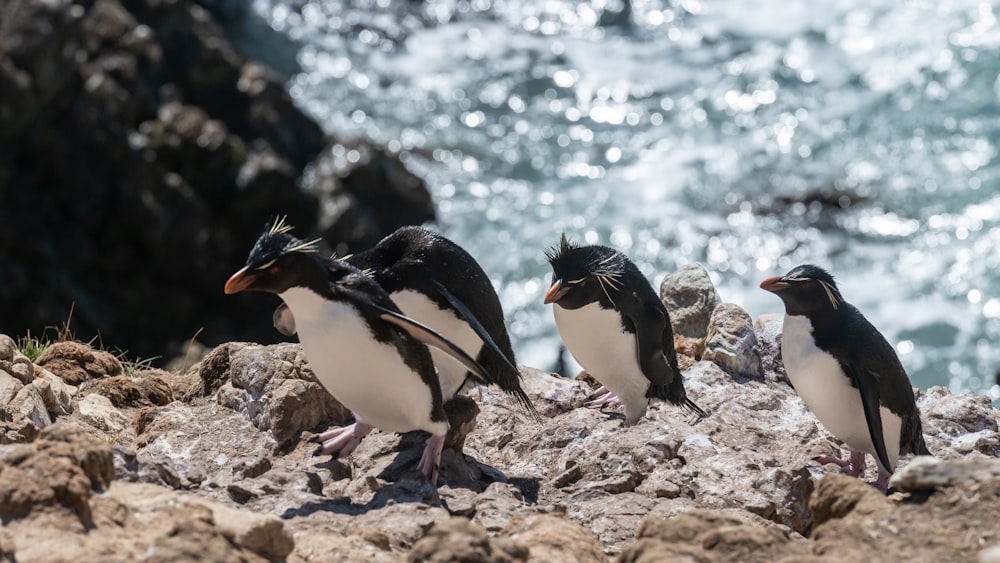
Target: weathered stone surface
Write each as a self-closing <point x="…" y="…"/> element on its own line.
<point x="59" y="471"/>
<point x="574" y="485"/>
<point x="274" y="387"/>
<point x="14" y="363"/>
<point x="75" y="362"/>
<point x="142" y="390"/>
<point x="768" y="328"/>
<point x="731" y="342"/>
<point x="457" y="540"/>
<point x="927" y="473"/>
<point x="690" y="298"/>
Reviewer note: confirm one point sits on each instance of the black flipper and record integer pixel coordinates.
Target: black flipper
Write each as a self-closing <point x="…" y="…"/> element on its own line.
<point x="473" y="322"/>
<point x="870" y="402"/>
<point x="283" y="320"/>
<point x="431" y="337"/>
<point x="664" y="377"/>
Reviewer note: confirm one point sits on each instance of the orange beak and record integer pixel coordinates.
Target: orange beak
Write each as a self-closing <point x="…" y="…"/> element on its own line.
<point x="555" y="293"/>
<point x="239" y="281"/>
<point x="773" y="284"/>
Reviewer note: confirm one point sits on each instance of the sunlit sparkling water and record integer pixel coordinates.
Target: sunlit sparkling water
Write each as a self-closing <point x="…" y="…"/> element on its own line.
<point x="745" y="136"/>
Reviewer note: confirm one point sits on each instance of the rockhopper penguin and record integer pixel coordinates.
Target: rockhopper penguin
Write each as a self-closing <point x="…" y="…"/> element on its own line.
<point x="616" y="327"/>
<point x="846" y="373"/>
<point x="363" y="350"/>
<point x="438" y="283"/>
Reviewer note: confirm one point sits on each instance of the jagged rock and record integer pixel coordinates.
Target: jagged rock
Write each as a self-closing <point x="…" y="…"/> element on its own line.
<point x="551" y="537"/>
<point x="61" y="470"/>
<point x="14" y="363"/>
<point x="690" y="297"/>
<point x="731" y="342"/>
<point x="458" y="540"/>
<point x="369" y="194"/>
<point x="100" y="412"/>
<point x="926" y="473"/>
<point x="768" y="328"/>
<point x="274" y="387"/>
<point x="75" y="362"/>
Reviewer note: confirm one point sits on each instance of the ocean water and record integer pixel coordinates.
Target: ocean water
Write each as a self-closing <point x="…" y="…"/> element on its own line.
<point x="747" y="136"/>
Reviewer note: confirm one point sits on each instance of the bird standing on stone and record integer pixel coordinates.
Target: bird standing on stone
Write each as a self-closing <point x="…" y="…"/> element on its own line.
<point x="846" y="373"/>
<point x="616" y="327"/>
<point x="436" y="282"/>
<point x="362" y="348"/>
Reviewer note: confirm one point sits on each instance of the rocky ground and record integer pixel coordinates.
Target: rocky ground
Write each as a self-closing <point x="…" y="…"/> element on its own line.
<point x="216" y="461"/>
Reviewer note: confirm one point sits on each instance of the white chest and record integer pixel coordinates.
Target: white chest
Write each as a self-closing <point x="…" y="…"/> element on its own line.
<point x="597" y="340"/>
<point x="451" y="372"/>
<point x="367" y="376"/>
<point x="828" y="393"/>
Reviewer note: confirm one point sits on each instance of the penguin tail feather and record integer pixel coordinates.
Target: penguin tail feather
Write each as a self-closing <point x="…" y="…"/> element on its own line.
<point x="690" y="406"/>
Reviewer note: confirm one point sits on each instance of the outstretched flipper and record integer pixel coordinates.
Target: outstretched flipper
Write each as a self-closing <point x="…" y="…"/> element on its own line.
<point x="431" y="337"/>
<point x="868" y="388"/>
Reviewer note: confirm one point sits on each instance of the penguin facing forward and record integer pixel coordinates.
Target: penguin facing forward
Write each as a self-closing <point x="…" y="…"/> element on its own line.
<point x="616" y="327"/>
<point x="846" y="373"/>
<point x="363" y="350"/>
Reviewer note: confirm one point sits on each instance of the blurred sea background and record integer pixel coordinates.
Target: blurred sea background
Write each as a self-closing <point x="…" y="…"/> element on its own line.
<point x="747" y="136"/>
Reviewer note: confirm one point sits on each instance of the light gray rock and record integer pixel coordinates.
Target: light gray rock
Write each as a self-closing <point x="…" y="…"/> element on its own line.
<point x="768" y="328"/>
<point x="690" y="297"/>
<point x="98" y="411"/>
<point x="731" y="342"/>
<point x="275" y="389"/>
<point x="925" y="473"/>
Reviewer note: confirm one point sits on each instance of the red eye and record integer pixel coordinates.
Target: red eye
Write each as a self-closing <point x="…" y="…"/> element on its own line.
<point x="273" y="270"/>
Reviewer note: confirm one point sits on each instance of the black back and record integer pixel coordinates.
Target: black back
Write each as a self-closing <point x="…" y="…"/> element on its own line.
<point x="280" y="261"/>
<point x="418" y="259"/>
<point x="603" y="275"/>
<point x="865" y="356"/>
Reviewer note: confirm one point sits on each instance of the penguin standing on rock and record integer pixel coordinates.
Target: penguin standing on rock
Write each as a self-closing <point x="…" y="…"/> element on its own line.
<point x="846" y="373"/>
<point x="363" y="350"/>
<point x="436" y="282"/>
<point x="616" y="327"/>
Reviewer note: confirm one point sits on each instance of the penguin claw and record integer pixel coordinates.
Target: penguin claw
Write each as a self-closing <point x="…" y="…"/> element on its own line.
<point x="853" y="466"/>
<point x="430" y="461"/>
<point x="340" y="442"/>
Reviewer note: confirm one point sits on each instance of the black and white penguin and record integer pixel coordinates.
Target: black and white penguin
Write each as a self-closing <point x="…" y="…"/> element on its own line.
<point x="363" y="350"/>
<point x="438" y="283"/>
<point x="616" y="327"/>
<point x="846" y="373"/>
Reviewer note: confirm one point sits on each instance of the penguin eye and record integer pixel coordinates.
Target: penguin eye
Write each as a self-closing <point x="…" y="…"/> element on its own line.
<point x="267" y="265"/>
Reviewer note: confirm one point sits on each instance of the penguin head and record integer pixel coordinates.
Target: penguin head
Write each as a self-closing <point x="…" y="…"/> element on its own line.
<point x="805" y="290"/>
<point x="583" y="274"/>
<point x="279" y="261"/>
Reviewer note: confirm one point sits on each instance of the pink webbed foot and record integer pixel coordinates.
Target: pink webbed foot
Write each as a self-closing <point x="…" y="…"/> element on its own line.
<point x="603" y="397"/>
<point x="340" y="442"/>
<point x="853" y="466"/>
<point x="431" y="460"/>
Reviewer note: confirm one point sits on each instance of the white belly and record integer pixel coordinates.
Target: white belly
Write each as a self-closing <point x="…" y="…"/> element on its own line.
<point x="451" y="372"/>
<point x="820" y="383"/>
<point x="367" y="376"/>
<point x="598" y="342"/>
